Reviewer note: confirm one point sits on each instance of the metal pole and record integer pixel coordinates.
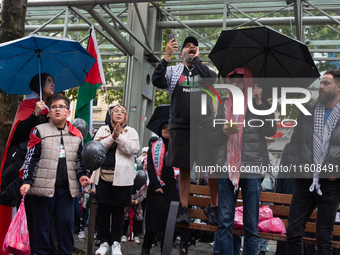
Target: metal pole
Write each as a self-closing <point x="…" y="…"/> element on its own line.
<point x="242" y="12"/>
<point x="224" y="27"/>
<point x="48" y="22"/>
<point x="207" y="43"/>
<point x="142" y="126"/>
<point x="320" y="10"/>
<point x="127" y="87"/>
<point x="128" y="47"/>
<point x="92" y="222"/>
<point x="142" y="25"/>
<point x="80" y="2"/>
<point x="99" y="30"/>
<point x="113" y="16"/>
<point x="66" y="23"/>
<point x="330" y="27"/>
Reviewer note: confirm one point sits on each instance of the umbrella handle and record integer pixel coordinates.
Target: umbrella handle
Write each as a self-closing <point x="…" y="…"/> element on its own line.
<point x="40" y="79"/>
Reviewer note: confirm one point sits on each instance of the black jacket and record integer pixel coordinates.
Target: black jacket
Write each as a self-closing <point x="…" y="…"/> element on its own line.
<point x="301" y="146"/>
<point x="254" y="150"/>
<point x="158" y="204"/>
<point x="185" y="107"/>
<point x="10" y="180"/>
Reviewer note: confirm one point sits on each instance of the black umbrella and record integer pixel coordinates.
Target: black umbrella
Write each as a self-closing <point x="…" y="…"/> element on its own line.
<point x="267" y="54"/>
<point x="160" y="116"/>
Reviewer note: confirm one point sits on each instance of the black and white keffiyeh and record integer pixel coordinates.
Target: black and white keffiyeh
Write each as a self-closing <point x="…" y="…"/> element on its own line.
<point x="172" y="76"/>
<point x="321" y="138"/>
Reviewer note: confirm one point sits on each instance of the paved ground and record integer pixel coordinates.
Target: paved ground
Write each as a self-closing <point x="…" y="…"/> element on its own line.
<point x="133" y="249"/>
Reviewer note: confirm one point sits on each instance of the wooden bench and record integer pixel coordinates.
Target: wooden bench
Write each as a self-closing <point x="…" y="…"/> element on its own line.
<point x="199" y="197"/>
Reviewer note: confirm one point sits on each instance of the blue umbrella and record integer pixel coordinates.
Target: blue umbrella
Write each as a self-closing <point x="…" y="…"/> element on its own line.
<point x="66" y="60"/>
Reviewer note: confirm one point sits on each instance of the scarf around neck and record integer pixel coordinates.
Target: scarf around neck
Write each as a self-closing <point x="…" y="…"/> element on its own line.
<point x="235" y="142"/>
<point x="158" y="153"/>
<point x="321" y="137"/>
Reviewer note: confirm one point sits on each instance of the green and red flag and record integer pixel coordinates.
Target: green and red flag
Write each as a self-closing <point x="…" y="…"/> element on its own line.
<point x="94" y="79"/>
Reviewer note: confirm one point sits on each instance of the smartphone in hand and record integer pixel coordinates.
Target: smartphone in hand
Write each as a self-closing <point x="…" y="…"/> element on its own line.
<point x="171" y="36"/>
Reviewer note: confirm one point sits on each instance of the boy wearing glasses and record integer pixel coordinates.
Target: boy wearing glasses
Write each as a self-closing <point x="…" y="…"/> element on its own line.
<point x="53" y="167"/>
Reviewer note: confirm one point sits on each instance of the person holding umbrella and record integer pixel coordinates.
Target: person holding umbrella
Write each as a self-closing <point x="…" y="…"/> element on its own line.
<point x="244" y="150"/>
<point x="31" y="112"/>
<point x="162" y="185"/>
<point x="114" y="180"/>
<point x="185" y="84"/>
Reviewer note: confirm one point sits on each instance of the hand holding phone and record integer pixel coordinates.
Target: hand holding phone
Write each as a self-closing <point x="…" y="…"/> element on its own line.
<point x="171" y="46"/>
<point x="171" y="36"/>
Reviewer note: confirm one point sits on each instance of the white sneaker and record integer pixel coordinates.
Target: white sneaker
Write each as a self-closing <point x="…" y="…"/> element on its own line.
<point x="81" y="235"/>
<point x="136" y="239"/>
<point x="123" y="239"/>
<point x="102" y="249"/>
<point x="116" y="249"/>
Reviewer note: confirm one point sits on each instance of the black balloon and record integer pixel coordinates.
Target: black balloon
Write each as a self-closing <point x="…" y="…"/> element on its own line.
<point x="140" y="179"/>
<point x="139" y="165"/>
<point x="93" y="155"/>
<point x="82" y="126"/>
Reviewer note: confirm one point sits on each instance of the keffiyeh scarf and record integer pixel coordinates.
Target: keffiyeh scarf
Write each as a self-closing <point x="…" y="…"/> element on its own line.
<point x="321" y="137"/>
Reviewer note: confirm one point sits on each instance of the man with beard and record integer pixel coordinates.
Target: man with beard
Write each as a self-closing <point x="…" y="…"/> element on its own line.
<point x="185" y="83"/>
<point x="315" y="144"/>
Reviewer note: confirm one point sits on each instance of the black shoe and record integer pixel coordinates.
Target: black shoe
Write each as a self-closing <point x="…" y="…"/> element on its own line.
<point x="183" y="215"/>
<point x="212" y="214"/>
<point x="98" y="242"/>
<point x="154" y="242"/>
<point x="76" y="230"/>
<point x="262" y="253"/>
<point x="145" y="251"/>
<point x="174" y="244"/>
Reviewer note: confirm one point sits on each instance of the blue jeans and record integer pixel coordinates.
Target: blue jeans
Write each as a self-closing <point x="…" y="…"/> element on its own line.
<point x="302" y="205"/>
<point x="61" y="205"/>
<point x="251" y="191"/>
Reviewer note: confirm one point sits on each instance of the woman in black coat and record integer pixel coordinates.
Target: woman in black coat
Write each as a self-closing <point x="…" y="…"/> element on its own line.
<point x="161" y="190"/>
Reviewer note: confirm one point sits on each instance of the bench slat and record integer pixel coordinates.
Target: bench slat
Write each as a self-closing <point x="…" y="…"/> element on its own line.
<point x="200" y="190"/>
<point x="197" y="214"/>
<point x="199" y="201"/>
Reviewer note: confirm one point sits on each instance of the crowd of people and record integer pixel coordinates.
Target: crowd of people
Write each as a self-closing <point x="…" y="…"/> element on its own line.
<point x="47" y="150"/>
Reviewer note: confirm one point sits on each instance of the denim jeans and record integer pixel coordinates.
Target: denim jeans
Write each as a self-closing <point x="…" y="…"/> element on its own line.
<point x="251" y="190"/>
<point x="61" y="205"/>
<point x="302" y="205"/>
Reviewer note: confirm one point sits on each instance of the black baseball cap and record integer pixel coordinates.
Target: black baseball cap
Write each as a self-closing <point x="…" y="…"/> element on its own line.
<point x="189" y="39"/>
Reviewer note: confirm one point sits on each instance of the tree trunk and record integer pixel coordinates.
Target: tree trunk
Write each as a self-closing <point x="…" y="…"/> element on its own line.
<point x="12" y="26"/>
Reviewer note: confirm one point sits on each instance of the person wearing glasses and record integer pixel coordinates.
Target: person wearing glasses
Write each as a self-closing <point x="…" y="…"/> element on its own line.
<point x="114" y="180"/>
<point x="51" y="177"/>
<point x="31" y="112"/>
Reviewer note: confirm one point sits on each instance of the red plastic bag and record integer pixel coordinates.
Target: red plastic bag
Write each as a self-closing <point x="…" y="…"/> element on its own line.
<point x="274" y="225"/>
<point x="17" y="238"/>
<point x="265" y="213"/>
<point x="238" y="220"/>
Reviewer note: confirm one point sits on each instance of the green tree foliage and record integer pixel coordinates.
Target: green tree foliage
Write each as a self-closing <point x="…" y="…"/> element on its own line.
<point x="12" y="26"/>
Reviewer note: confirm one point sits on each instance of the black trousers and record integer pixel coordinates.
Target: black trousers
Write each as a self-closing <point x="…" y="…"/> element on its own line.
<point x="114" y="214"/>
<point x="137" y="227"/>
<point x="302" y="205"/>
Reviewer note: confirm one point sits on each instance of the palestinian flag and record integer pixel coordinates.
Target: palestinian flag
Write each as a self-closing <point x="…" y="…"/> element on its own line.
<point x="87" y="91"/>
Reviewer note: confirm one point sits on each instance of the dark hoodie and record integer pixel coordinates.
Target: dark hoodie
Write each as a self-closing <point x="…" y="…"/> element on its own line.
<point x="185" y="108"/>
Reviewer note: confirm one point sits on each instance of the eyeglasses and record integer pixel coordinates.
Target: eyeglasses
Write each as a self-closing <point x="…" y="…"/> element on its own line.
<point x="61" y="107"/>
<point x="121" y="112"/>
